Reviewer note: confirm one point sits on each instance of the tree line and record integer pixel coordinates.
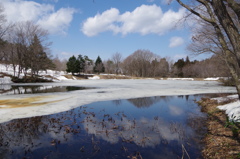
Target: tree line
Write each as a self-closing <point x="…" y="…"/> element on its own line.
<point x="144" y="63"/>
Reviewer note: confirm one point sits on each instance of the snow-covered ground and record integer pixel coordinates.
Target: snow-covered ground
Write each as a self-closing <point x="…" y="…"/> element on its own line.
<point x="49" y="103"/>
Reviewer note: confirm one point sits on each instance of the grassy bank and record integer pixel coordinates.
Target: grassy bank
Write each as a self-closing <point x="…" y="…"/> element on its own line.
<point x="223" y="137"/>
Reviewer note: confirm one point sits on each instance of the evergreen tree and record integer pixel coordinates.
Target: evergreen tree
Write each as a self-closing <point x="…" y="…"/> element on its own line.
<point x="35" y="57"/>
<point x="179" y="65"/>
<point x="88" y="64"/>
<point x="72" y="65"/>
<point x="81" y="63"/>
<point x="99" y="67"/>
<point x="187" y="61"/>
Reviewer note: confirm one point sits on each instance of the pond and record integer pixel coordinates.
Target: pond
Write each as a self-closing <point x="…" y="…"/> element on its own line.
<point x="148" y="128"/>
<point x="32" y="89"/>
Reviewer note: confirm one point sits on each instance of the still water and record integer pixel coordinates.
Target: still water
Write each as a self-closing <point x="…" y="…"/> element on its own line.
<point x="144" y="128"/>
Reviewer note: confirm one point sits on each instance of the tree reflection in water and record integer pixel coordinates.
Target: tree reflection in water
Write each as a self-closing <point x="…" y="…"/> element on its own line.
<point x="32" y="89"/>
<point x="103" y="130"/>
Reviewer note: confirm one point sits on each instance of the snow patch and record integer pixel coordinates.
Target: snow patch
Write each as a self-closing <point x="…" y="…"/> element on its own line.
<point x="5" y="80"/>
<point x="183" y="79"/>
<point x="94" y="78"/>
<point x="212" y="79"/>
<point x="232" y="110"/>
<point x="61" y="78"/>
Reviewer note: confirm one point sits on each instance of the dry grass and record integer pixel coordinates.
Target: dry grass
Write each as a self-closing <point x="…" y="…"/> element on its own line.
<point x="220" y="141"/>
<point x="68" y="76"/>
<point x="117" y="77"/>
<point x="25" y="102"/>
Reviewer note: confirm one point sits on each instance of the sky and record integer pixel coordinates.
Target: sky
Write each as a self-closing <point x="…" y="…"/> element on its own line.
<point x="105" y="27"/>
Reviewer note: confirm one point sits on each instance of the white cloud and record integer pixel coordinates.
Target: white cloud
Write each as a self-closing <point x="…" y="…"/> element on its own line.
<point x="101" y="22"/>
<point x="176" y="41"/>
<point x="146" y="19"/>
<point x="57" y="22"/>
<point x="43" y="14"/>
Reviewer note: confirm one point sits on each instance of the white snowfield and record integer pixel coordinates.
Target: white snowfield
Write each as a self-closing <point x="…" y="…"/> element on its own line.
<point x="50" y="103"/>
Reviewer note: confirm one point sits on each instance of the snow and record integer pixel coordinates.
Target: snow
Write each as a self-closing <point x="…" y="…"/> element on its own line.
<point x="5" y="80"/>
<point x="61" y="78"/>
<point x="212" y="79"/>
<point x="94" y="78"/>
<point x="232" y="109"/>
<point x="184" y="79"/>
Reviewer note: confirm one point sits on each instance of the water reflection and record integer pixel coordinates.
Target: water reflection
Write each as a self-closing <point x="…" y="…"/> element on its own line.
<point x="145" y="101"/>
<point x="31" y="89"/>
<point x="159" y="129"/>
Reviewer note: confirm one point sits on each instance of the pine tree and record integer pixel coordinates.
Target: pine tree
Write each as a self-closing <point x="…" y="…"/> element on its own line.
<point x="99" y="67"/>
<point x="35" y="57"/>
<point x="187" y="61"/>
<point x="72" y="65"/>
<point x="81" y="63"/>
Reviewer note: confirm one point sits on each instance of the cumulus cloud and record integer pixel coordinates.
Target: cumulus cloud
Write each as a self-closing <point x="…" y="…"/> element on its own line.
<point x="176" y="41"/>
<point x="146" y="19"/>
<point x="43" y="14"/>
<point x="57" y="22"/>
<point x="101" y="22"/>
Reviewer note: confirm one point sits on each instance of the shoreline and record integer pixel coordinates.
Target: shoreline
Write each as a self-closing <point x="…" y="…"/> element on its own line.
<point x="220" y="141"/>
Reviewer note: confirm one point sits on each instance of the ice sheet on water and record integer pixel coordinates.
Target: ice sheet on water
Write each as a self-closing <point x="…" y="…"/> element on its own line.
<point x="113" y="90"/>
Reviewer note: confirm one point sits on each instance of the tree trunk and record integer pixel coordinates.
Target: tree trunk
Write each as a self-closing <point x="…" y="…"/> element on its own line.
<point x="228" y="25"/>
<point x="235" y="76"/>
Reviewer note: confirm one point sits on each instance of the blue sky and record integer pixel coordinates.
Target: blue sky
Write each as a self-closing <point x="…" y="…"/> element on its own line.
<point x="104" y="27"/>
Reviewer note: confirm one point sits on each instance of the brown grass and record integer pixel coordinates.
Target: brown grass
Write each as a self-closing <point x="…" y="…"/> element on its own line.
<point x="220" y="142"/>
<point x="117" y="77"/>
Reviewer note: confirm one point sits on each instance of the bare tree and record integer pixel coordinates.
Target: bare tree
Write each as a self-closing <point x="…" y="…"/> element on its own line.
<point x="117" y="59"/>
<point x="109" y="66"/>
<point x="222" y="17"/>
<point x="139" y="63"/>
<point x="60" y="65"/>
<point x="155" y="65"/>
<point x="4" y="28"/>
<point x="3" y="21"/>
<point x="31" y="45"/>
<point x="163" y="67"/>
<point x="211" y="67"/>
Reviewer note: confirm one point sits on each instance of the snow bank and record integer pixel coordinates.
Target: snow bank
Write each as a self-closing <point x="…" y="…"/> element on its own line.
<point x="5" y="80"/>
<point x="232" y="110"/>
<point x="212" y="79"/>
<point x="94" y="78"/>
<point x="184" y="79"/>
